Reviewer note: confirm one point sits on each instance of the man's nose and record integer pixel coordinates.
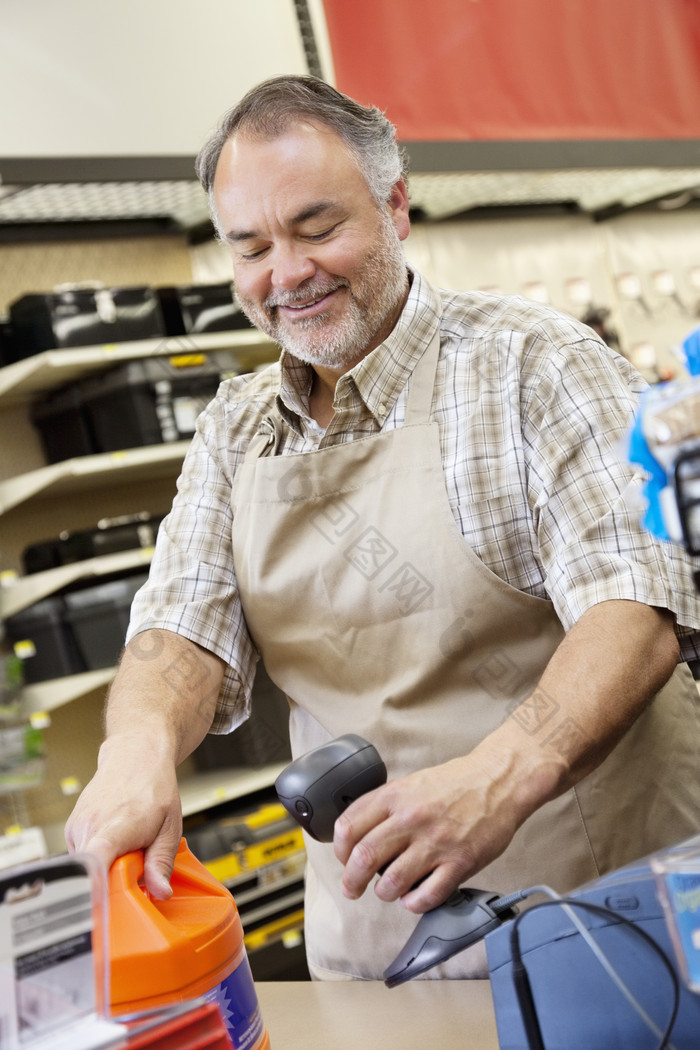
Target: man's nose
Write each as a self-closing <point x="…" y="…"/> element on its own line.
<point x="291" y="266"/>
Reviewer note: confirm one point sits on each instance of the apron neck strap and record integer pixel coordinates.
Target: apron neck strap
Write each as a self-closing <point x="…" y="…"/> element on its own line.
<point x="422" y="382"/>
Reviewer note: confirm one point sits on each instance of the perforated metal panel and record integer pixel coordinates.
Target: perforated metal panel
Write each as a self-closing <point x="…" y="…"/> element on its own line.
<point x="183" y="201"/>
<point x="438" y="195"/>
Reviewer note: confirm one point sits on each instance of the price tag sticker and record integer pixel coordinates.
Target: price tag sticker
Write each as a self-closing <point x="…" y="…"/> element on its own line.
<point x="25" y="649"/>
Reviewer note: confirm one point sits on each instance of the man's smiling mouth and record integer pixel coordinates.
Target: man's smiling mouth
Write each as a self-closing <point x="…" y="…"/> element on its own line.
<point x="311" y="307"/>
<point x="308" y="303"/>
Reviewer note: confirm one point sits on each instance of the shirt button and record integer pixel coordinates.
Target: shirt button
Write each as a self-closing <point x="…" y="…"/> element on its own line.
<point x="381" y="409"/>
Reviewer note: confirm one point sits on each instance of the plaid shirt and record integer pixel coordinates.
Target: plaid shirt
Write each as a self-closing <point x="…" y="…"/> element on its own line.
<point x="531" y="406"/>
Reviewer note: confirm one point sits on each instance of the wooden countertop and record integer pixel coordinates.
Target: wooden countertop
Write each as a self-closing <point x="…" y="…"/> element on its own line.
<point x="345" y="1015"/>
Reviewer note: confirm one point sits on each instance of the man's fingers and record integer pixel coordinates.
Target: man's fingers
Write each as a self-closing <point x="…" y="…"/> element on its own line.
<point x="159" y="858"/>
<point x="103" y="849"/>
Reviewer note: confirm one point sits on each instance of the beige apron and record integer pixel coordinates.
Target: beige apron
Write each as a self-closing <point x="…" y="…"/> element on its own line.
<point x="374" y="616"/>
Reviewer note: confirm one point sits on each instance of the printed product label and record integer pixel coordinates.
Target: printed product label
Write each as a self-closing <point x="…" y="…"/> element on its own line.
<point x="238" y="1003"/>
<point x="47" y="973"/>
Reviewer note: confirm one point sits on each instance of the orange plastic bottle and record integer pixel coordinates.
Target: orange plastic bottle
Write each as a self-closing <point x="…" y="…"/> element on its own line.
<point x="190" y="946"/>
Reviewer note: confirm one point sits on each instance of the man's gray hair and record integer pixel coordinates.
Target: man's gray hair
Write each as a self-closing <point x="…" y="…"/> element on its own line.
<point x="268" y="110"/>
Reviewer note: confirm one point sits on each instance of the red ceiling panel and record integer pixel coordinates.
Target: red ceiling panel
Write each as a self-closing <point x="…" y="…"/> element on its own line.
<point x="509" y="70"/>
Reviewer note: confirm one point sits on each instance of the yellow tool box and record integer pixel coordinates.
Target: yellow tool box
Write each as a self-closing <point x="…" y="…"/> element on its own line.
<point x="245" y="842"/>
<point x="259" y="855"/>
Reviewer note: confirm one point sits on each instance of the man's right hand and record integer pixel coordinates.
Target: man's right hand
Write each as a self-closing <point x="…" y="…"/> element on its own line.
<point x="131" y="803"/>
<point x="159" y="709"/>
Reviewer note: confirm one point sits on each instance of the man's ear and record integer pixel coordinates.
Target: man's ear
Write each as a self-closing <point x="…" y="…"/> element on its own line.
<point x="398" y="209"/>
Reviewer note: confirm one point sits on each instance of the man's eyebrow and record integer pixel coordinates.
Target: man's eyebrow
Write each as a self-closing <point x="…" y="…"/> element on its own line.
<point x="310" y="212"/>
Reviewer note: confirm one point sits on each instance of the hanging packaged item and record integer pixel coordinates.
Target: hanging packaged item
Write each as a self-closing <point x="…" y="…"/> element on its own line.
<point x="196" y="308"/>
<point x="77" y="315"/>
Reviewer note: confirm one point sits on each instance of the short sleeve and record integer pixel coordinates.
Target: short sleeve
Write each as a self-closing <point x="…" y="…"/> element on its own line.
<point x="191" y="589"/>
<point x="585" y="496"/>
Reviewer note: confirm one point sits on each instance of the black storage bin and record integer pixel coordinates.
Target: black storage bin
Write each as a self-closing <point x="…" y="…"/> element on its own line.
<point x="262" y="740"/>
<point x="112" y="535"/>
<point x="84" y="317"/>
<point x="38" y="557"/>
<point x="64" y="425"/>
<point x="55" y="653"/>
<point x="152" y="401"/>
<point x="7" y="351"/>
<point x="197" y="308"/>
<point x="99" y="617"/>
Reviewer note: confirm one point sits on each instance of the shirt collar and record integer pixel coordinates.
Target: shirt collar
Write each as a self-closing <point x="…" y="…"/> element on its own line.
<point x="381" y="376"/>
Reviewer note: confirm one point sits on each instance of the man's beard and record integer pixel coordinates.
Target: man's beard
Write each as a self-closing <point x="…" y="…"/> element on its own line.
<point x="378" y="289"/>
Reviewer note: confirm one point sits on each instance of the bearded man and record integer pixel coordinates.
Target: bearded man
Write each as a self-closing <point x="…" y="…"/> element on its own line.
<point x="418" y="520"/>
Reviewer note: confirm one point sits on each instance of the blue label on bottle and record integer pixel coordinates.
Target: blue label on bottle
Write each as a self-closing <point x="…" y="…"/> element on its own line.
<point x="238" y="1003"/>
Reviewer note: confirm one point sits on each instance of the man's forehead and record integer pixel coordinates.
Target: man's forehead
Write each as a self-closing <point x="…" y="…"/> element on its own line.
<point x="305" y="171"/>
<point x="293" y="143"/>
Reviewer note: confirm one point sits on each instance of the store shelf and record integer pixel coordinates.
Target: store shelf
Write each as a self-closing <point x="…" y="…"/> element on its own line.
<point x="23" y="380"/>
<point x="199" y="791"/>
<point x="25" y="590"/>
<point x="272" y="909"/>
<point x="286" y="887"/>
<point x="47" y="696"/>
<point x="87" y="472"/>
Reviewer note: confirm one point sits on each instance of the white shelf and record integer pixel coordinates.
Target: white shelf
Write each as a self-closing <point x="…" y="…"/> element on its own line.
<point x="84" y="472"/>
<point x="47" y="696"/>
<point x="202" y="790"/>
<point x="25" y="590"/>
<point x="23" y="380"/>
<point x="198" y="791"/>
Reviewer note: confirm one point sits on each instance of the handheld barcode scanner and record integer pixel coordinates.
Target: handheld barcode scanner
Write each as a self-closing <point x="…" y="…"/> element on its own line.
<point x="317" y="787"/>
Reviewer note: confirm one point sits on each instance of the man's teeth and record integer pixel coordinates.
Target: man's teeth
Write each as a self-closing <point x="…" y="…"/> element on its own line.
<point x="311" y="302"/>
